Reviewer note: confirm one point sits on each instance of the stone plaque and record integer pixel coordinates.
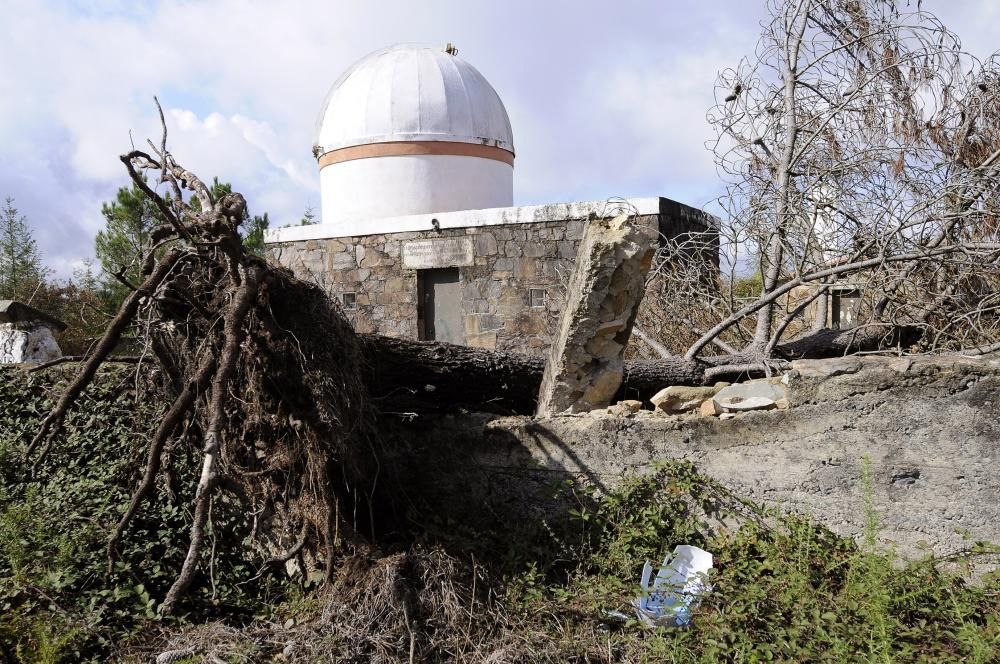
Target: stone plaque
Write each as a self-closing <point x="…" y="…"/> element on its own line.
<point x="446" y="252"/>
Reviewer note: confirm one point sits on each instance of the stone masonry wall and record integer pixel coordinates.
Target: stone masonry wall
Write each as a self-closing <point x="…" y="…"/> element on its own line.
<point x="508" y="262"/>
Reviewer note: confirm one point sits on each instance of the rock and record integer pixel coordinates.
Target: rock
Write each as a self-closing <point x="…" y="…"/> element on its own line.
<point x="681" y="399"/>
<point x="727" y="416"/>
<point x="28" y="344"/>
<point x="752" y="389"/>
<point x="623" y="409"/>
<point x="835" y="366"/>
<point x="709" y="408"/>
<point x="586" y="361"/>
<point x="634" y="404"/>
<point x="747" y="403"/>
<point x="782" y="404"/>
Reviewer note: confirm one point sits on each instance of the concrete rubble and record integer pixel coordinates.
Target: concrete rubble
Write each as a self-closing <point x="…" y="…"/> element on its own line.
<point x="681" y="399"/>
<point x="26" y="334"/>
<point x="586" y="362"/>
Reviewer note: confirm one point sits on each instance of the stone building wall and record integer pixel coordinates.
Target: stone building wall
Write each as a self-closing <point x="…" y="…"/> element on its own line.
<point x="508" y="262"/>
<point x="499" y="267"/>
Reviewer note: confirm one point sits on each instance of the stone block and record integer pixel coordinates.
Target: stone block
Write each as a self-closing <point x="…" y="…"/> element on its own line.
<point x="374" y="258"/>
<point x="527" y="324"/>
<point x="503" y="265"/>
<point x="27" y="343"/>
<point x="511" y="303"/>
<point x="391" y="248"/>
<point x="534" y="249"/>
<point x="574" y="229"/>
<point x="526" y="268"/>
<point x="486" y="244"/>
<point x="493" y="289"/>
<point x="363" y="325"/>
<point x="486" y="340"/>
<point x="606" y="287"/>
<point x="342" y="260"/>
<point x="567" y="250"/>
<point x="737" y="404"/>
<point x="709" y="408"/>
<point x="472" y="290"/>
<point x="681" y="399"/>
<point x="394" y="284"/>
<point x="512" y="249"/>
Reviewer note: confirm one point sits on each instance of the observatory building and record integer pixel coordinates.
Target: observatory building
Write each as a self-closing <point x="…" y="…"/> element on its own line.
<point x="418" y="234"/>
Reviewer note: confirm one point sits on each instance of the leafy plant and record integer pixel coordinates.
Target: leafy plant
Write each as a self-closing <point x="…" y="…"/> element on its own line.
<point x="58" y="600"/>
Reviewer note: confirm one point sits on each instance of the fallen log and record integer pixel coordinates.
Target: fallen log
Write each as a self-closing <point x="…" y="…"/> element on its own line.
<point x="406" y="376"/>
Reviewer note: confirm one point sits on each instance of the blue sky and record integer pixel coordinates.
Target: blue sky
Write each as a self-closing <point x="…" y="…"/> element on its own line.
<point x="605" y="98"/>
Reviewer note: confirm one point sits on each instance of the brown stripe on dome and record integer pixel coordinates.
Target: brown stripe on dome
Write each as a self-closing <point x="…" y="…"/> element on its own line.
<point x="408" y="148"/>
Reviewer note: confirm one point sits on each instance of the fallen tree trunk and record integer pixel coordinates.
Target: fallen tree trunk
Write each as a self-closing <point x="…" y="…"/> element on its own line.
<point x="831" y="343"/>
<point x="406" y="376"/>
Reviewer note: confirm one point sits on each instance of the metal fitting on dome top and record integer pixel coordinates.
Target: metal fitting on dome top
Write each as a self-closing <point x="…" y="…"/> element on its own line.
<point x="451" y="49"/>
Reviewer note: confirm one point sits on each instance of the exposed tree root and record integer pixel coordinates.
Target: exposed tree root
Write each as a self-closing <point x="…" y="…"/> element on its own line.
<point x="261" y="371"/>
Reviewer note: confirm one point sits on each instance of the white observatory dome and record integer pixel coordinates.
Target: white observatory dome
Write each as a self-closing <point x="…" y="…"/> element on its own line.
<point x="412" y="130"/>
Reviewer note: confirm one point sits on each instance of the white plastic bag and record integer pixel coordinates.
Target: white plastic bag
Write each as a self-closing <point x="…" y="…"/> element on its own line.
<point x="677" y="588"/>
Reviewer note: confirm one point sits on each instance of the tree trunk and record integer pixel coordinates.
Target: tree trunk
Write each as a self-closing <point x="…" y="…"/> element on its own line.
<point x="407" y="376"/>
<point x="410" y="375"/>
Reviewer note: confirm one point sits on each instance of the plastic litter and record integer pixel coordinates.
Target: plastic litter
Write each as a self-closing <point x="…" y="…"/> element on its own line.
<point x="677" y="588"/>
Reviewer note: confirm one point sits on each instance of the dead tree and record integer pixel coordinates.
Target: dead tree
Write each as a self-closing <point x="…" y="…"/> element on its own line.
<point x="861" y="149"/>
<point x="262" y="373"/>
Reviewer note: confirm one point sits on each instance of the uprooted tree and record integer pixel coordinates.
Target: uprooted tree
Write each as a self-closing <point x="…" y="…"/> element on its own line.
<point x="861" y="148"/>
<point x="261" y="370"/>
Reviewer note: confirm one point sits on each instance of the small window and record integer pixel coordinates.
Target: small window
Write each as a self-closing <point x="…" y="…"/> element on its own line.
<point x="350" y="300"/>
<point x="536" y="298"/>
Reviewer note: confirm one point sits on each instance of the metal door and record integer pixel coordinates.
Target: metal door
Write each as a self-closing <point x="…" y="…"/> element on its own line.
<point x="441" y="296"/>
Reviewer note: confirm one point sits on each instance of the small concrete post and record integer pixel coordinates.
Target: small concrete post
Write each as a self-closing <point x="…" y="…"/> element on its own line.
<point x="586" y="361"/>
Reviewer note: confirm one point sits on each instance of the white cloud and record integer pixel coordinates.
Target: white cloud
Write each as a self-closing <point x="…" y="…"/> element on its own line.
<point x="605" y="99"/>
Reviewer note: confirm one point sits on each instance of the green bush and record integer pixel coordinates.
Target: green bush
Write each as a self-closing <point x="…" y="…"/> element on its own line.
<point x="785" y="588"/>
<point x="57" y="600"/>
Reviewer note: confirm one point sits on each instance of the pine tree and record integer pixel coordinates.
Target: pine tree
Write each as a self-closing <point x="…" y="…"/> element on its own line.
<point x="308" y="217"/>
<point x="21" y="269"/>
<point x="253" y="233"/>
<point x="127" y="236"/>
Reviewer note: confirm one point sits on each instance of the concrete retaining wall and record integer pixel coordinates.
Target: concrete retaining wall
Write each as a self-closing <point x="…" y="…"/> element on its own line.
<point x="929" y="427"/>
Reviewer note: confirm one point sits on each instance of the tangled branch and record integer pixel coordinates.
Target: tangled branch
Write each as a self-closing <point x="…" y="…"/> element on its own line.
<point x="281" y="428"/>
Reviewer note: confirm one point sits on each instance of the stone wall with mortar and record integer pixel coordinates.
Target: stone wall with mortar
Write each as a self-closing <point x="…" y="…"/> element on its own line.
<point x="507" y="261"/>
<point x="927" y="425"/>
